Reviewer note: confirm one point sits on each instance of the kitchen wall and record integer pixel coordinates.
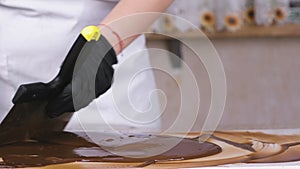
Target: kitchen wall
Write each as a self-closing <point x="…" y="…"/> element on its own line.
<point x="263" y="82"/>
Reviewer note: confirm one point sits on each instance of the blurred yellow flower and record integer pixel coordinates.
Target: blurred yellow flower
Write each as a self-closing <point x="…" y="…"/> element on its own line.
<point x="250" y="15"/>
<point x="280" y="14"/>
<point x="232" y="22"/>
<point x="208" y="20"/>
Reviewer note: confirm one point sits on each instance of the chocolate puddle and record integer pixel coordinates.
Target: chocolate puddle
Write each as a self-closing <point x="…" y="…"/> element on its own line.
<point x="57" y="148"/>
<point x="221" y="148"/>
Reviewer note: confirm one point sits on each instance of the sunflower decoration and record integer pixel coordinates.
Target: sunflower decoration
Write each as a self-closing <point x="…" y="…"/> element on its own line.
<point x="232" y="22"/>
<point x="168" y="23"/>
<point x="250" y="15"/>
<point x="208" y="20"/>
<point x="280" y="14"/>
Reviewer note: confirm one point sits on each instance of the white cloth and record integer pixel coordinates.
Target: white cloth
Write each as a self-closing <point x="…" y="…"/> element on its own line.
<point x="35" y="36"/>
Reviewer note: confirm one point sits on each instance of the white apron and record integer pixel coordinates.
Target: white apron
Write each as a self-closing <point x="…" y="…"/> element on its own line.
<point x="35" y="36"/>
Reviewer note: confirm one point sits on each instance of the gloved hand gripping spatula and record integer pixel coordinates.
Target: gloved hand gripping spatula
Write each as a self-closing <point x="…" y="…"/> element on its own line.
<point x="36" y="105"/>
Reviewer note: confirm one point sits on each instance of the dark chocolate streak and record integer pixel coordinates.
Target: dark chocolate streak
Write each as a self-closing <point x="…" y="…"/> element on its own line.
<point x="291" y="144"/>
<point x="245" y="146"/>
<point x="57" y="148"/>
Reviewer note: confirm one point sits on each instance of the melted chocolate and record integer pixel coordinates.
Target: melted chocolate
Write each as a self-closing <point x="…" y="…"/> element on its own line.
<point x="246" y="146"/>
<point x="56" y="148"/>
<point x="63" y="147"/>
<point x="269" y="152"/>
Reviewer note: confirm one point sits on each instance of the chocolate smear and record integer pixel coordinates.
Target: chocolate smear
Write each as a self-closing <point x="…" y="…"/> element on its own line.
<point x="62" y="147"/>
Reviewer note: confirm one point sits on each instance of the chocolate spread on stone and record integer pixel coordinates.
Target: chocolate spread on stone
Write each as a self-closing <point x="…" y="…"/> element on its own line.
<point x="64" y="147"/>
<point x="246" y="146"/>
<point x="56" y="148"/>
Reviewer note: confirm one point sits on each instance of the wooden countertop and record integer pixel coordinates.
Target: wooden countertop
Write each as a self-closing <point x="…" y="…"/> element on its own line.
<point x="289" y="30"/>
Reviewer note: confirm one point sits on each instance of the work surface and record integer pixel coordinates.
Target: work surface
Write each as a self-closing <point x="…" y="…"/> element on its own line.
<point x="222" y="149"/>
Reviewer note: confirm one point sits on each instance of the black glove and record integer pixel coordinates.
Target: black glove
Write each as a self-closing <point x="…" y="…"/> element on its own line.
<point x="63" y="102"/>
<point x="90" y="53"/>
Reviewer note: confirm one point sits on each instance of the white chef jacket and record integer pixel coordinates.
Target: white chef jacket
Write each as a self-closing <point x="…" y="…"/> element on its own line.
<point x="35" y="36"/>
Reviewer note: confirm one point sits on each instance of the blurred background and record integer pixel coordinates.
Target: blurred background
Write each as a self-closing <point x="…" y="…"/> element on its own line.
<point x="258" y="42"/>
